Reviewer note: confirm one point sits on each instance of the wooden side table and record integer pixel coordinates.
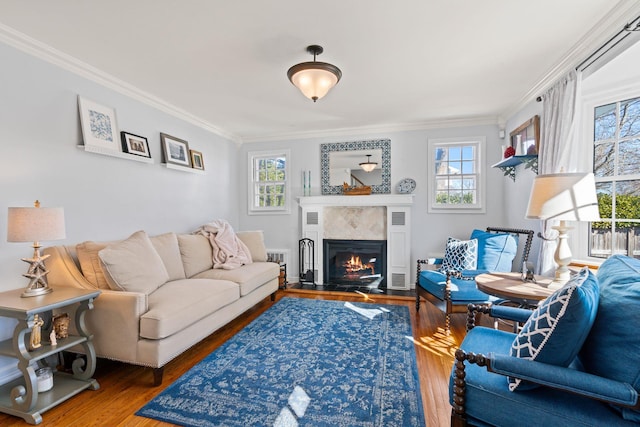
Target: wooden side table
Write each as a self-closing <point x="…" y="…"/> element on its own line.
<point x="511" y="287"/>
<point x="21" y="397"/>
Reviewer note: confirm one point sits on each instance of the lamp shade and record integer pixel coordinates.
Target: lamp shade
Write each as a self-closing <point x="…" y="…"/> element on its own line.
<point x="564" y="196"/>
<point x="314" y="79"/>
<point x="35" y="224"/>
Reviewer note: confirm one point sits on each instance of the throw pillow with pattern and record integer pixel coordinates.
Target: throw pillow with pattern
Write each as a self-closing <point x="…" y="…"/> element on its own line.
<point x="556" y="330"/>
<point x="460" y="255"/>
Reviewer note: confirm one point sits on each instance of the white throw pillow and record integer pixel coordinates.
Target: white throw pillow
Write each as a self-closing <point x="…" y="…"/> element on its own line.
<point x="255" y="242"/>
<point x="134" y="265"/>
<point x="196" y="252"/>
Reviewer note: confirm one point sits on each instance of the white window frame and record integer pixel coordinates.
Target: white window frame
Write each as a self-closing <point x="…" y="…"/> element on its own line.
<point x="479" y="206"/>
<point x="251" y="188"/>
<point x="580" y="237"/>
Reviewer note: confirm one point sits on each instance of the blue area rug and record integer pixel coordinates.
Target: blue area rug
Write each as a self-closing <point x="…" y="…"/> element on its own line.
<point x="304" y="362"/>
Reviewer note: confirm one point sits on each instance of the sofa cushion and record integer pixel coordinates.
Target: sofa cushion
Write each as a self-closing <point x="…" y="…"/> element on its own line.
<point x="167" y="247"/>
<point x="249" y="277"/>
<point x="460" y="255"/>
<point x="463" y="291"/>
<point x="254" y="240"/>
<point x="90" y="263"/>
<point x="612" y="347"/>
<point x="196" y="252"/>
<point x="133" y="265"/>
<point x="496" y="251"/>
<point x="558" y="327"/>
<point x="180" y="303"/>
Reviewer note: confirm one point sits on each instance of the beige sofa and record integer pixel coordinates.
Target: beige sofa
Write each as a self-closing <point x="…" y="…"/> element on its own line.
<point x="161" y="294"/>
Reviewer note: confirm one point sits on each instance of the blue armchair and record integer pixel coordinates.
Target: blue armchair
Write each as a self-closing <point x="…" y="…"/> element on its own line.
<point x="451" y="290"/>
<point x="592" y="377"/>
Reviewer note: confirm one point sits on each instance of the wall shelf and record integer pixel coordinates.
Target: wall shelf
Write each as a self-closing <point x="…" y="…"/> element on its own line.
<point x="117" y="154"/>
<point x="508" y="165"/>
<point x="184" y="168"/>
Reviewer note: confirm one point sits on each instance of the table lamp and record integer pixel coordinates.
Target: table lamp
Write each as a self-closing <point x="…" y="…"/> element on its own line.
<point x="33" y="225"/>
<point x="563" y="197"/>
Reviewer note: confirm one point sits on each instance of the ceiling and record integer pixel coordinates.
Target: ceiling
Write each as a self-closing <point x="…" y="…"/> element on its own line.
<point x="407" y="64"/>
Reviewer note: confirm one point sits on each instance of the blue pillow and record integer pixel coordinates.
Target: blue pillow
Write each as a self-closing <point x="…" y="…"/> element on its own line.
<point x="556" y="330"/>
<point x="613" y="345"/>
<point x="496" y="251"/>
<point x="460" y="255"/>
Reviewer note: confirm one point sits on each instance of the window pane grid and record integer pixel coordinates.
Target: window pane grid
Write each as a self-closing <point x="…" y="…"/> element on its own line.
<point x="456" y="175"/>
<point x="616" y="166"/>
<point x="269" y="182"/>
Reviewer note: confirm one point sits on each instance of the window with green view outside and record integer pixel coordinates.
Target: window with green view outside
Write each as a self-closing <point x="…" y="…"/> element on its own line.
<point x="269" y="181"/>
<point x="616" y="166"/>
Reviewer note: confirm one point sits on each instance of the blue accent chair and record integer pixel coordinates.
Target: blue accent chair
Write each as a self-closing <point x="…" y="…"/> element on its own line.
<point x="598" y="388"/>
<point x="452" y="291"/>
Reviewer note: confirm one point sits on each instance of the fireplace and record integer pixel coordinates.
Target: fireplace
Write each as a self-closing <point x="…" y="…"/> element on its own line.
<point x="355" y="263"/>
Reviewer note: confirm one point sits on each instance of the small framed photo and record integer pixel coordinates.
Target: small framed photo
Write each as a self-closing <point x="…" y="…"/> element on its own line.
<point x="99" y="128"/>
<point x="196" y="160"/>
<point x="175" y="150"/>
<point x="135" y="144"/>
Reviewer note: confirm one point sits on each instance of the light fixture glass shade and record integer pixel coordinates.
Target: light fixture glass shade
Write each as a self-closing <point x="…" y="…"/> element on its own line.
<point x="35" y="224"/>
<point x="314" y="79"/>
<point x="565" y="197"/>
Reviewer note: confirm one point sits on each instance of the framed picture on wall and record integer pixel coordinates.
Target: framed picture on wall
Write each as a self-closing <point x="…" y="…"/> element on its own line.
<point x="175" y="150"/>
<point x="99" y="127"/>
<point x="196" y="160"/>
<point x="135" y="144"/>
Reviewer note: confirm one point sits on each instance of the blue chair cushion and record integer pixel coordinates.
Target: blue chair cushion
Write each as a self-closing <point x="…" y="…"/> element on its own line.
<point x="496" y="251"/>
<point x="462" y="291"/>
<point x="460" y="255"/>
<point x="613" y="345"/>
<point x="488" y="400"/>
<point x="558" y="327"/>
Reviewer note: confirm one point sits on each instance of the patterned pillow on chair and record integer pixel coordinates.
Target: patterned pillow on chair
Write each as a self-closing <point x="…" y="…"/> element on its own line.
<point x="460" y="255"/>
<point x="559" y="326"/>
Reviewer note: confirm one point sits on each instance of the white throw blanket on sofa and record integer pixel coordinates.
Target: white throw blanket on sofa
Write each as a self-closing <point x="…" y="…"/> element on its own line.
<point x="229" y="251"/>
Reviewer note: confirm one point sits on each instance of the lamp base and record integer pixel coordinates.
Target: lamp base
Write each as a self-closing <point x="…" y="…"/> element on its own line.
<point x="562" y="256"/>
<point x="37" y="273"/>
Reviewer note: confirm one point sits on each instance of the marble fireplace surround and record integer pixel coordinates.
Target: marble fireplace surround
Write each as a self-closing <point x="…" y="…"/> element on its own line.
<point x="373" y="217"/>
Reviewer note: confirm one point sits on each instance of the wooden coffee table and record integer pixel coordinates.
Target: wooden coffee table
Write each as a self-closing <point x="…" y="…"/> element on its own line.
<point x="511" y="287"/>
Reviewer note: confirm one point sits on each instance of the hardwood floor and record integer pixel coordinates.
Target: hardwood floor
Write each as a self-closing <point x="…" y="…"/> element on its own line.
<point x="125" y="388"/>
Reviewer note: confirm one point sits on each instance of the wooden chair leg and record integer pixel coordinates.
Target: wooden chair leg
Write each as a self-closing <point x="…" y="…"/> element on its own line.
<point x="417" y="302"/>
<point x="447" y="324"/>
<point x="157" y="376"/>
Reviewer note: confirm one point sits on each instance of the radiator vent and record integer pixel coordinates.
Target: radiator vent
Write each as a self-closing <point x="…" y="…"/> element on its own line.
<point x="312" y="218"/>
<point x="281" y="256"/>
<point x="397" y="280"/>
<point x="397" y="218"/>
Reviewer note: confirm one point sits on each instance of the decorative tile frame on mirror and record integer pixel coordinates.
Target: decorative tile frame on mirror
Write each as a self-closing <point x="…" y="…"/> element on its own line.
<point x="327" y="149"/>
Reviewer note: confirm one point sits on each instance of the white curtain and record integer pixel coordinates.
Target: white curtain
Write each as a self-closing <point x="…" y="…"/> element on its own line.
<point x="558" y="149"/>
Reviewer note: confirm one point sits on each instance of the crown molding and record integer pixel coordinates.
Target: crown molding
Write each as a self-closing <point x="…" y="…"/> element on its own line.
<point x="624" y="12"/>
<point x="376" y="130"/>
<point x="49" y="54"/>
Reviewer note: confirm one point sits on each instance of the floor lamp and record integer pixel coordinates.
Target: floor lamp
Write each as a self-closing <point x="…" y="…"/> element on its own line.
<point x="563" y="197"/>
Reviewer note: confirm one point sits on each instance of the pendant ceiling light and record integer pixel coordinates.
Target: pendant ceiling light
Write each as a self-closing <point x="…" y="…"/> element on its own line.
<point x="314" y="79"/>
<point x="368" y="166"/>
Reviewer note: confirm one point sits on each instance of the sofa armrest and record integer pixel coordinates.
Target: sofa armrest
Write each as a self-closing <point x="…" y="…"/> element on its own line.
<point x="566" y="379"/>
<point x="63" y="270"/>
<point x="114" y="323"/>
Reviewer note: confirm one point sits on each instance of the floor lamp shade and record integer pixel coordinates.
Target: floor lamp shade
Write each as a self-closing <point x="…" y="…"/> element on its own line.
<point x="563" y="197"/>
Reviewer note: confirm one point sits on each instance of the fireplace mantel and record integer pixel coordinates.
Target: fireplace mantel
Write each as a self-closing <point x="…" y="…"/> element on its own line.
<point x="397" y="229"/>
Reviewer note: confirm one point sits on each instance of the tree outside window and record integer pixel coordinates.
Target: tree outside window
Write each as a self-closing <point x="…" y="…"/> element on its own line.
<point x="616" y="166"/>
<point x="269" y="182"/>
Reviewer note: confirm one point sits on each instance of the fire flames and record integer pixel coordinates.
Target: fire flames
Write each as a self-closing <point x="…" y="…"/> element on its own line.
<point x="355" y="264"/>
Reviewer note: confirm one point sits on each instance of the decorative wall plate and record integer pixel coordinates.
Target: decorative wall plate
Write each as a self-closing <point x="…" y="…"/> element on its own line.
<point x="406" y="186"/>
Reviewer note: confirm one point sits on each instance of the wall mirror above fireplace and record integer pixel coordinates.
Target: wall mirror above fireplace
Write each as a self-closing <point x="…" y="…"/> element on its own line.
<point x="340" y="162"/>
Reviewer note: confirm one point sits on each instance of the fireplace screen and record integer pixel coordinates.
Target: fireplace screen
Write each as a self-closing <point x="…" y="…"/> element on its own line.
<point x="356" y="263"/>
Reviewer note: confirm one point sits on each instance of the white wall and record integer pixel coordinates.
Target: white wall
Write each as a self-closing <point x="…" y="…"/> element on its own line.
<point x="103" y="197"/>
<point x="408" y="160"/>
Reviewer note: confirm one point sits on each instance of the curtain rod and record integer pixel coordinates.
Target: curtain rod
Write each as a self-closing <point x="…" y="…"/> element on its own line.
<point x="614" y="43"/>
